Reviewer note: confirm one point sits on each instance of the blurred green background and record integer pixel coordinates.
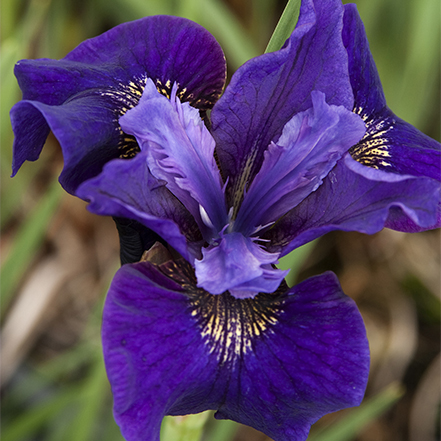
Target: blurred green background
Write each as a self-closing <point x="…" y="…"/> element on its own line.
<point x="57" y="259"/>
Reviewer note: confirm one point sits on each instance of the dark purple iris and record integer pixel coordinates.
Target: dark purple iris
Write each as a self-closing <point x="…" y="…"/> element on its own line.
<point x="300" y="143"/>
<point x="81" y="97"/>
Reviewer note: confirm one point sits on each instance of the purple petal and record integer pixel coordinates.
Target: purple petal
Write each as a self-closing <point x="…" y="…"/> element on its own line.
<point x="164" y="48"/>
<point x="390" y="143"/>
<point x="399" y="221"/>
<point x="126" y="188"/>
<point x="112" y="66"/>
<point x="53" y="82"/>
<point x="239" y="265"/>
<point x="310" y="145"/>
<point x="267" y="91"/>
<point x="86" y="127"/>
<point x="350" y="199"/>
<point x="365" y="81"/>
<point x="180" y="151"/>
<point x="277" y="362"/>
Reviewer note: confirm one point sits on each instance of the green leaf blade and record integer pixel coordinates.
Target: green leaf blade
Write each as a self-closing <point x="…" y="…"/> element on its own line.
<point x="285" y="26"/>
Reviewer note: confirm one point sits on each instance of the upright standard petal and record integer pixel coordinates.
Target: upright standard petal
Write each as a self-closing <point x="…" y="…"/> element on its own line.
<point x="390" y="144"/>
<point x="267" y="91"/>
<point x="276" y="363"/>
<point x="309" y="147"/>
<point x="112" y="67"/>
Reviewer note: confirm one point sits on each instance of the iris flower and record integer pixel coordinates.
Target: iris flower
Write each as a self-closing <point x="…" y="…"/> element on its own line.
<point x="300" y="143"/>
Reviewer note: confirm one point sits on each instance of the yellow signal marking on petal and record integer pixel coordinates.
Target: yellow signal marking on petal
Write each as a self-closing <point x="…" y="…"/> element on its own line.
<point x="374" y="146"/>
<point x="136" y="89"/>
<point x="360" y="111"/>
<point x="229" y="325"/>
<point x="181" y="93"/>
<point x="164" y="89"/>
